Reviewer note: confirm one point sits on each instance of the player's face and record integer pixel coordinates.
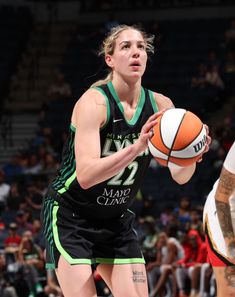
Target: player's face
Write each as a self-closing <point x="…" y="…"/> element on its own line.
<point x="130" y="56"/>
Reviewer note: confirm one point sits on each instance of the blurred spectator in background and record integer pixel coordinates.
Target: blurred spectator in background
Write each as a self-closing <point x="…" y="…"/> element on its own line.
<point x="229" y="72"/>
<point x="13" y="168"/>
<point x="213" y="59"/>
<point x="213" y="77"/>
<point x="33" y="165"/>
<point x="6" y="286"/>
<point x="30" y="256"/>
<point x="33" y="199"/>
<point x="22" y="221"/>
<point x="148" y="206"/>
<point x="166" y="215"/>
<point x="50" y="165"/>
<point x="6" y="129"/>
<point x="4" y="191"/>
<point x="37" y="233"/>
<point x="15" y="199"/>
<point x="52" y="288"/>
<point x="11" y="247"/>
<point x="196" y="220"/>
<point x="229" y="63"/>
<point x="59" y="88"/>
<point x="183" y="212"/>
<point x="199" y="80"/>
<point x="169" y="250"/>
<point x="230" y="36"/>
<point x="3" y="233"/>
<point x="190" y="266"/>
<point x="13" y="240"/>
<point x="150" y="236"/>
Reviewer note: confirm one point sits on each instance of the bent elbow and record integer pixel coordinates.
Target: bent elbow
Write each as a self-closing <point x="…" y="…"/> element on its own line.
<point x="179" y="180"/>
<point x="83" y="182"/>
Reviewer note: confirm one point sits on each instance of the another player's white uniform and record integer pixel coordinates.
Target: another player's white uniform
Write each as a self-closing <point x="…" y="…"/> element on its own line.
<point x="214" y="237"/>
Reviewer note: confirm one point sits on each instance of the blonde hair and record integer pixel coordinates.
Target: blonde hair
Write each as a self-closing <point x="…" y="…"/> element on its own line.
<point x="108" y="46"/>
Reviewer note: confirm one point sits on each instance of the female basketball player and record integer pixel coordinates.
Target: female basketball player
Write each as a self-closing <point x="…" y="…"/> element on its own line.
<point x="86" y="217"/>
<point x="219" y="222"/>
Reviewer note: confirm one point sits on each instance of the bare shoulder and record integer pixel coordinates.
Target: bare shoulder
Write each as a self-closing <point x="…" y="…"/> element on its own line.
<point x="91" y="102"/>
<point x="163" y="101"/>
<point x="91" y="96"/>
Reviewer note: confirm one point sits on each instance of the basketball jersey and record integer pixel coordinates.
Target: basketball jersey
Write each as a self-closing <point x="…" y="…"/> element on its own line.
<point x="111" y="198"/>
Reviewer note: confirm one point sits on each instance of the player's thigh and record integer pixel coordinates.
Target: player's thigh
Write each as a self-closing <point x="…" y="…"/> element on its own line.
<point x="75" y="280"/>
<point x="125" y="280"/>
<point x="225" y="281"/>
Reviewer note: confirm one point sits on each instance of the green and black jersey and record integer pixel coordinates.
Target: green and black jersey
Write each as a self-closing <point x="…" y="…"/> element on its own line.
<point x="114" y="196"/>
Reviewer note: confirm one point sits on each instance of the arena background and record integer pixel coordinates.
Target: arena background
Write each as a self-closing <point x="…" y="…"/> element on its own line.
<point x="48" y="58"/>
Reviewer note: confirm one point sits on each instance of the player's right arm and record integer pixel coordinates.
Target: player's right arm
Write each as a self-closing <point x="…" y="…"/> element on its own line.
<point x="88" y="117"/>
<point x="225" y="189"/>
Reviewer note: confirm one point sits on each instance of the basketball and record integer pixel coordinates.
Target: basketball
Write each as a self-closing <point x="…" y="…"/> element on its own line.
<point x="179" y="138"/>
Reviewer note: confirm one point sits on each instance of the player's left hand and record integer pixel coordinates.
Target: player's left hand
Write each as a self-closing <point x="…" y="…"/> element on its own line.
<point x="208" y="142"/>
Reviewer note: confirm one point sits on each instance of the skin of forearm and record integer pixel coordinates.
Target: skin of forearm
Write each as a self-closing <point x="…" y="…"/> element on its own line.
<point x="225" y="220"/>
<point x="183" y="175"/>
<point x="104" y="168"/>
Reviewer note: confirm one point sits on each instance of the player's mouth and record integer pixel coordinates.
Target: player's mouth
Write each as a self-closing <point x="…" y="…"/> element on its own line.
<point x="135" y="65"/>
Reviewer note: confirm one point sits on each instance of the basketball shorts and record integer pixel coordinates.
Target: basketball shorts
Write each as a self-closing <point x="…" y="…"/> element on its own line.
<point x="214" y="238"/>
<point x="85" y="241"/>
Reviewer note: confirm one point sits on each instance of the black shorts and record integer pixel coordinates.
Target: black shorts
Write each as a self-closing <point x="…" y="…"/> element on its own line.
<point x="83" y="241"/>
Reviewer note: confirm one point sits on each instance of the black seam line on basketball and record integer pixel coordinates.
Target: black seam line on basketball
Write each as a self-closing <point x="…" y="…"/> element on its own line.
<point x="161" y="140"/>
<point x="223" y="259"/>
<point x="190" y="142"/>
<point x="169" y="155"/>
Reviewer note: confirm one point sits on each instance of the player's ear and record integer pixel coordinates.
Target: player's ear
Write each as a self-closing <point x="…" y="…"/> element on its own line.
<point x="108" y="60"/>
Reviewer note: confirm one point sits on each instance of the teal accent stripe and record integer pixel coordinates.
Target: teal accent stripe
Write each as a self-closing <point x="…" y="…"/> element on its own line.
<point x="120" y="261"/>
<point x="153" y="101"/>
<point x="139" y="107"/>
<point x="62" y="191"/>
<point x="48" y="205"/>
<point x="68" y="174"/>
<point x="68" y="165"/>
<point x="59" y="246"/>
<point x="70" y="180"/>
<point x="72" y="127"/>
<point x="50" y="266"/>
<point x="71" y="157"/>
<point x="51" y="232"/>
<point x="47" y="219"/>
<point x="70" y="149"/>
<point x="107" y="106"/>
<point x="68" y="183"/>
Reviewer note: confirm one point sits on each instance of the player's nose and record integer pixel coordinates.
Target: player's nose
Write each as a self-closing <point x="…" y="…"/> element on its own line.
<point x="135" y="52"/>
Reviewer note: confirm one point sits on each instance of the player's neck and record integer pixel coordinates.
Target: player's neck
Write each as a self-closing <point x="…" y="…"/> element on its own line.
<point x="129" y="92"/>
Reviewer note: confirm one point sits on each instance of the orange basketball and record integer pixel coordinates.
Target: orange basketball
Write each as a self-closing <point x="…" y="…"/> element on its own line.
<point x="179" y="138"/>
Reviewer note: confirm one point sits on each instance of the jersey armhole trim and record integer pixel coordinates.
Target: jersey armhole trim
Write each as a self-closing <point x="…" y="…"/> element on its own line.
<point x="72" y="127"/>
<point x="107" y="106"/>
<point x="153" y="101"/>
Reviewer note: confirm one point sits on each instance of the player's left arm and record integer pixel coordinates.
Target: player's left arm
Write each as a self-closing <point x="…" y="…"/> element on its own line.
<point x="225" y="189"/>
<point x="180" y="174"/>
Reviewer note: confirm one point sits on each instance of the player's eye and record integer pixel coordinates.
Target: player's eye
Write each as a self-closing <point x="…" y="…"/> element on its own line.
<point x="141" y="46"/>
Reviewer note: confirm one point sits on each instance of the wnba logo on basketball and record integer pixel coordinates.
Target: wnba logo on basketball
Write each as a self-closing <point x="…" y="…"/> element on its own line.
<point x="198" y="146"/>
